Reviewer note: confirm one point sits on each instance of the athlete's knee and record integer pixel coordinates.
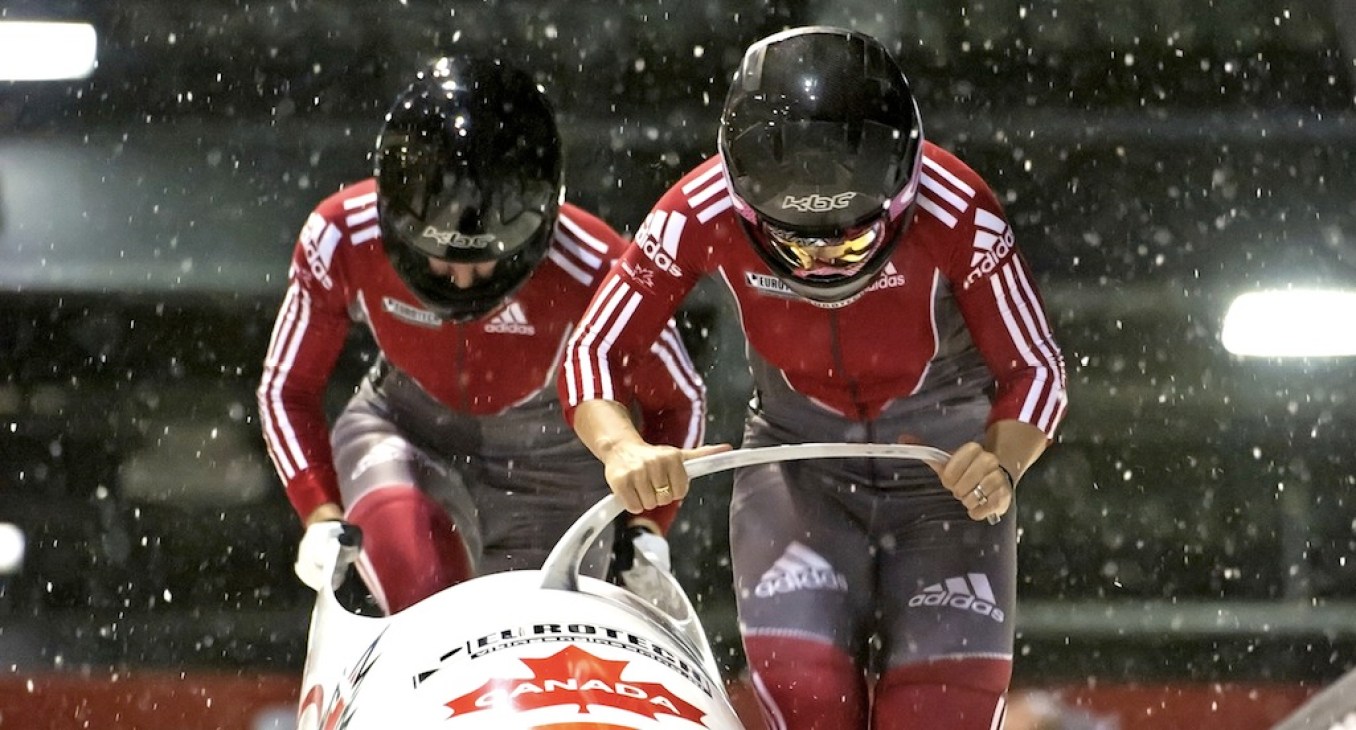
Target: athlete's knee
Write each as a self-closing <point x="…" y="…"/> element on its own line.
<point x="411" y="547"/>
<point x="806" y="685"/>
<point x="953" y="693"/>
<point x="380" y="507"/>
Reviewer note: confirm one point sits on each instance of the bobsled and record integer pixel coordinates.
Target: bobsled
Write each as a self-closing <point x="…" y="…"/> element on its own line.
<point x="547" y="649"/>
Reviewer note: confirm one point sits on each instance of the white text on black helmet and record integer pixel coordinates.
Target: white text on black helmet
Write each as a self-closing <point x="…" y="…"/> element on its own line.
<point x="456" y="239"/>
<point x="816" y="203"/>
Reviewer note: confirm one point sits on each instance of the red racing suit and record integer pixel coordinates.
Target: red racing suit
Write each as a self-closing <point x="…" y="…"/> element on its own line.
<point x="896" y="341"/>
<point x="950" y="337"/>
<point x="486" y="372"/>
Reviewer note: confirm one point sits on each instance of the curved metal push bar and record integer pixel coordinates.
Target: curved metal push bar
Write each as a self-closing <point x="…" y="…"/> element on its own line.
<point x="561" y="569"/>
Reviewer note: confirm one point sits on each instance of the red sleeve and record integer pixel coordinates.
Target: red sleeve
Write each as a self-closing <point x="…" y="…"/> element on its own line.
<point x="671" y="399"/>
<point x="627" y="348"/>
<point x="629" y="321"/>
<point x="664" y="516"/>
<point x="308" y="335"/>
<point x="1006" y="317"/>
<point x="668" y="392"/>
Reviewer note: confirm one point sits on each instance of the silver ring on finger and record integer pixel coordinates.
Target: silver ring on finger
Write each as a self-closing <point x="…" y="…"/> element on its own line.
<point x="978" y="494"/>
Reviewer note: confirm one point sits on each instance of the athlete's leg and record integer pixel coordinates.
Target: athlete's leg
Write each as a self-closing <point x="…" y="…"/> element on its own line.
<point x="947" y="638"/>
<point x="806" y="683"/>
<point x="803" y="583"/>
<point x="411" y="548"/>
<point x="967" y="692"/>
<point x="413" y="545"/>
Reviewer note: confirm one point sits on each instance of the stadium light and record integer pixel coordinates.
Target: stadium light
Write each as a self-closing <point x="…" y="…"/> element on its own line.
<point x="1291" y="323"/>
<point x="11" y="548"/>
<point x="46" y="51"/>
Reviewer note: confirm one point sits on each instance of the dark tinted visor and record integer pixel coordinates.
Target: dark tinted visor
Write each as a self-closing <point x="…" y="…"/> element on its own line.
<point x="817" y="178"/>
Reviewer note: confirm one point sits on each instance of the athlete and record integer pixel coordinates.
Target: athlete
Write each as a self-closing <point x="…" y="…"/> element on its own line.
<point x="883" y="300"/>
<point x="468" y="269"/>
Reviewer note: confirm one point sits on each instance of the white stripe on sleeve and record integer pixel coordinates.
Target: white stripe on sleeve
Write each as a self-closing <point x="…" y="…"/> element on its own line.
<point x="1060" y="385"/>
<point x="582" y="235"/>
<point x="669" y="348"/>
<point x="583" y="385"/>
<point x="1031" y="342"/>
<point x="282" y="354"/>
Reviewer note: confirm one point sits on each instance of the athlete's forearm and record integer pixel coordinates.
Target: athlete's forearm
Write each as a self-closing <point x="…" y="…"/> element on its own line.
<point x="1016" y="444"/>
<point x="603" y="425"/>
<point x="644" y="476"/>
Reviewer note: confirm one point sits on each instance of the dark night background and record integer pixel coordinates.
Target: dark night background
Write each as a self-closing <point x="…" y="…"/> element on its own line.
<point x="1195" y="520"/>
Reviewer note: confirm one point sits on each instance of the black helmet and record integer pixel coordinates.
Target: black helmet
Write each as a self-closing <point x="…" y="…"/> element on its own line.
<point x="468" y="169"/>
<point x="821" y="144"/>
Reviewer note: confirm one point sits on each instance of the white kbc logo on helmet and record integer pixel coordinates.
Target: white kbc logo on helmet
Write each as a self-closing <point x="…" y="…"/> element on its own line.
<point x="816" y="203"/>
<point x="456" y="239"/>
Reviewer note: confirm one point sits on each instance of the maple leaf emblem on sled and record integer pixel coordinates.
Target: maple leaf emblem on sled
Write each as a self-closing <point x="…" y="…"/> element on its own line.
<point x="573" y="676"/>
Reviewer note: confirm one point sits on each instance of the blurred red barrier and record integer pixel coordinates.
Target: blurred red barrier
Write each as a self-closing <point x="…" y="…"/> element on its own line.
<point x="147" y="700"/>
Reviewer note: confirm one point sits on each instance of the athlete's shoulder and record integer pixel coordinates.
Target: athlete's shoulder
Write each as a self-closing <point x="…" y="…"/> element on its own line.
<point x="349" y="215"/>
<point x="961" y="219"/>
<point x="351" y="208"/>
<point x="942" y="160"/>
<point x="685" y="227"/>
<point x="578" y="223"/>
<point x="702" y="195"/>
<point x="583" y="245"/>
<point x="951" y="193"/>
<point x="338" y="228"/>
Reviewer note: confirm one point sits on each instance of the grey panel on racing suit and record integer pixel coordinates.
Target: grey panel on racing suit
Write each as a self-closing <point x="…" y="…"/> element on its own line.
<point x="862" y="552"/>
<point x="511" y="484"/>
<point x="848" y="563"/>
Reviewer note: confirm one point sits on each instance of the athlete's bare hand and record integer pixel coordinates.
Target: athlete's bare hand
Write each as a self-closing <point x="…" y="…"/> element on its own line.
<point x="977" y="479"/>
<point x="645" y="476"/>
